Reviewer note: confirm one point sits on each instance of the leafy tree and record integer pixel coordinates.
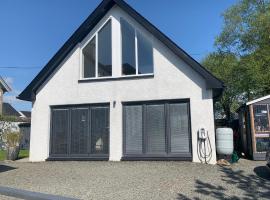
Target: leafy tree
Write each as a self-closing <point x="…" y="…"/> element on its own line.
<point x="246" y="27"/>
<point x="246" y="34"/>
<point x="223" y="65"/>
<point x="242" y="59"/>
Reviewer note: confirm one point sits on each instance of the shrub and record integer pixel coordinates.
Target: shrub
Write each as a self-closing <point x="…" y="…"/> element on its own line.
<point x="12" y="139"/>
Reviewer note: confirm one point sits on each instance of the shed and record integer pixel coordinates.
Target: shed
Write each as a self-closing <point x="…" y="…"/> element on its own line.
<point x="254" y="122"/>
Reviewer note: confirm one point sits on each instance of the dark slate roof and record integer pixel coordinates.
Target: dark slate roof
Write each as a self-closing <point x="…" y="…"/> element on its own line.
<point x="26" y="114"/>
<point x="8" y="110"/>
<point x="28" y="93"/>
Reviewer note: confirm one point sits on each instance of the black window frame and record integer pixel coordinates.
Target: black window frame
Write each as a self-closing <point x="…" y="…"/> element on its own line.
<point x="169" y="155"/>
<point x="69" y="156"/>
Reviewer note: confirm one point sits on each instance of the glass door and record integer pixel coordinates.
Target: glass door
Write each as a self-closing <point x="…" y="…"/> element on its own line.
<point x="99" y="130"/>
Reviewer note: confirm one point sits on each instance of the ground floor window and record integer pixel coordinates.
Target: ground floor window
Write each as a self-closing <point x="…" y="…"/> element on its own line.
<point x="80" y="131"/>
<point x="157" y="129"/>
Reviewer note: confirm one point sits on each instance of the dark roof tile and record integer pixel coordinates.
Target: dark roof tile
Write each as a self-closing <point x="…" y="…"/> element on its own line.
<point x="26" y="114"/>
<point x="8" y="110"/>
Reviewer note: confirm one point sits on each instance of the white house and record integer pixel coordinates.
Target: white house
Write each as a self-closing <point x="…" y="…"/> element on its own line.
<point x="119" y="89"/>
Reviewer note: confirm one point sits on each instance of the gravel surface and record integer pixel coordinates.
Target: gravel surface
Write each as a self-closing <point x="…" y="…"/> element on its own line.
<point x="140" y="180"/>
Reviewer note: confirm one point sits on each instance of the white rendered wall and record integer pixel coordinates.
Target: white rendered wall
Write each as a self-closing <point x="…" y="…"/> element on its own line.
<point x="173" y="79"/>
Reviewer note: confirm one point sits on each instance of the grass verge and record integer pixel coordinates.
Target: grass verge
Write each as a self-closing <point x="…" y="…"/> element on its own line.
<point x="22" y="154"/>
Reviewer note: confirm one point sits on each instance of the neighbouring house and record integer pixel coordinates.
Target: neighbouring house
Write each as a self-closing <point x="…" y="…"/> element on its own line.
<point x="25" y="128"/>
<point x="22" y="123"/>
<point x="9" y="110"/>
<point x="4" y="87"/>
<point x="119" y="89"/>
<point x="23" y="118"/>
<point x="25" y="114"/>
<point x="254" y="123"/>
<point x="25" y="131"/>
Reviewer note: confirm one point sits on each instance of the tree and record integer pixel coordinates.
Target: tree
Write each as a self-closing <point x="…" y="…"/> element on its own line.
<point x="223" y="65"/>
<point x="243" y="53"/>
<point x="246" y="34"/>
<point x="246" y="27"/>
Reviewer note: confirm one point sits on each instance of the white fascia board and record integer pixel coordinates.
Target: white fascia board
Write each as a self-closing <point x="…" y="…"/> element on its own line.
<point x="257" y="100"/>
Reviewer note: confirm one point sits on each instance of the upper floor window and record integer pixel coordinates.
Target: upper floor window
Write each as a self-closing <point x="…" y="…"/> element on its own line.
<point x="89" y="59"/>
<point x="137" y="51"/>
<point x="97" y="54"/>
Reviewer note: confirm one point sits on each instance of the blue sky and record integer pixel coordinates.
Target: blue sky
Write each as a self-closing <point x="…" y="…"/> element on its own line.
<point x="32" y="31"/>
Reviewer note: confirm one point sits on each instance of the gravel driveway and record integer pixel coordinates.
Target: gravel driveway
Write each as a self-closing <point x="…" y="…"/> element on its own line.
<point x="139" y="180"/>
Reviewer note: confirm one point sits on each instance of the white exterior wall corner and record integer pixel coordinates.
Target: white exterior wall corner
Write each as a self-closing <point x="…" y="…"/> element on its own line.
<point x="173" y="79"/>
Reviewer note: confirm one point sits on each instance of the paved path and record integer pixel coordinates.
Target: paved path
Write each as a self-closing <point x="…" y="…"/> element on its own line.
<point x="8" y="192"/>
<point x="139" y="180"/>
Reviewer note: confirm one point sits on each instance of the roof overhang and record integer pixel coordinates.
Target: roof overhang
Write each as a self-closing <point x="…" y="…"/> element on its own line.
<point x="29" y="92"/>
<point x="258" y="100"/>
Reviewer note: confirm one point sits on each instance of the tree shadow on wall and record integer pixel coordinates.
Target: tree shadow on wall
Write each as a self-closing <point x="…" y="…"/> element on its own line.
<point x="251" y="186"/>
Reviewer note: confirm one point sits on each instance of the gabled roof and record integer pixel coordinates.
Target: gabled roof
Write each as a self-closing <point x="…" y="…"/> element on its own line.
<point x="8" y="110"/>
<point x="28" y="93"/>
<point x="258" y="100"/>
<point x="3" y="84"/>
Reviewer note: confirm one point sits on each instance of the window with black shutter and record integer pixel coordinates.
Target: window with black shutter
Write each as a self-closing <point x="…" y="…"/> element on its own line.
<point x="157" y="129"/>
<point x="133" y="129"/>
<point x="60" y="131"/>
<point x="179" y="128"/>
<point x="80" y="131"/>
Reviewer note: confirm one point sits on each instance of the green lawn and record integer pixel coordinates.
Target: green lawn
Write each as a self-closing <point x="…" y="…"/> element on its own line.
<point x="2" y="155"/>
<point x="22" y="154"/>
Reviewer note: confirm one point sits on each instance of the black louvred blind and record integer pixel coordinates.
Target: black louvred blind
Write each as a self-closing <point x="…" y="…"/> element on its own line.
<point x="155" y="128"/>
<point x="179" y="128"/>
<point x="79" y="131"/>
<point x="60" y="131"/>
<point x="133" y="129"/>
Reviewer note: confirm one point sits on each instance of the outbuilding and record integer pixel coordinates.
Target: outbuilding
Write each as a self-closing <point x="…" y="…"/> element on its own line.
<point x="254" y="122"/>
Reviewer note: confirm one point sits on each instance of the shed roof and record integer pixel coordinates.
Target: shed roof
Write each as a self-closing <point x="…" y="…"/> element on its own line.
<point x="258" y="100"/>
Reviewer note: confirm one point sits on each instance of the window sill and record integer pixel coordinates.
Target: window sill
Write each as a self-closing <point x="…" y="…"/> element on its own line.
<point x="131" y="77"/>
